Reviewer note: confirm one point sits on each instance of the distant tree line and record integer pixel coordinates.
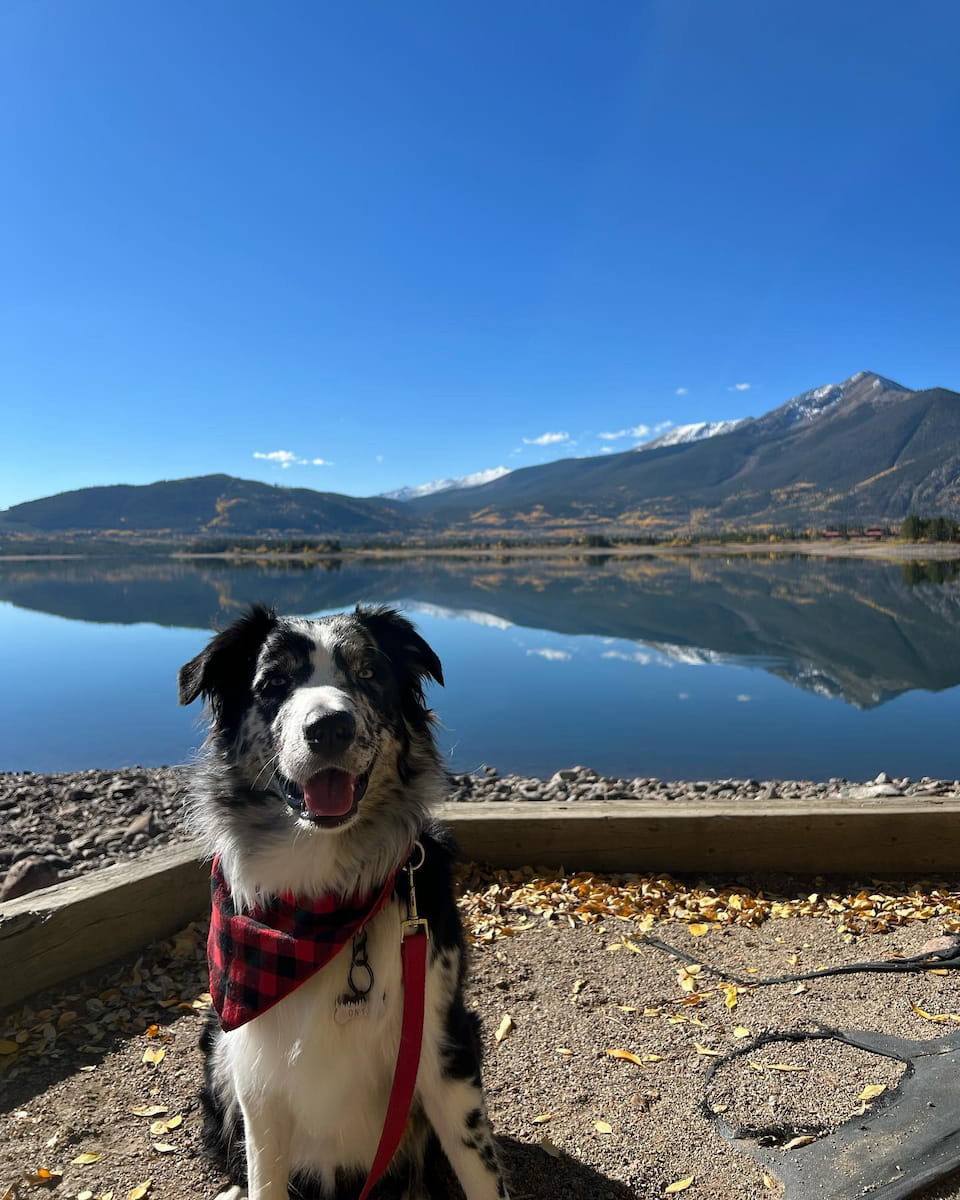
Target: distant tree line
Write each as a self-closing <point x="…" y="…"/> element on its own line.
<point x="929" y="529"/>
<point x="255" y="545"/>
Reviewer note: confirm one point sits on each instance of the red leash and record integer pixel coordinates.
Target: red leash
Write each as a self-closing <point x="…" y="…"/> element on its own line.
<point x="413" y="956"/>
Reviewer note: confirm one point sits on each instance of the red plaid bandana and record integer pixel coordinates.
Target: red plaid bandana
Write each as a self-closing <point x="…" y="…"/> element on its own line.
<point x="259" y="957"/>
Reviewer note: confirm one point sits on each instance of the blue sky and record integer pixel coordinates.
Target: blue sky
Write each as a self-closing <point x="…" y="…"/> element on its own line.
<point x="409" y="241"/>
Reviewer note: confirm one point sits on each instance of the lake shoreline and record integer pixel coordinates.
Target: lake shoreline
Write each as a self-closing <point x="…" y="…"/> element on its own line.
<point x="56" y="827"/>
<point x="891" y="551"/>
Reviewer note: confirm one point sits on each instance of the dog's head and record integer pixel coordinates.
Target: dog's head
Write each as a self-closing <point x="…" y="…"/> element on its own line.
<point x="325" y="716"/>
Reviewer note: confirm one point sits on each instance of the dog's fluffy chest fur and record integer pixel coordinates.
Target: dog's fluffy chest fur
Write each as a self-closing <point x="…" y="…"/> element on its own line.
<point x="311" y="1036"/>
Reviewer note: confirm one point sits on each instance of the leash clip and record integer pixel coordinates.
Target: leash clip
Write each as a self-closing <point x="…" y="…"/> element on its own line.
<point x="414" y="923"/>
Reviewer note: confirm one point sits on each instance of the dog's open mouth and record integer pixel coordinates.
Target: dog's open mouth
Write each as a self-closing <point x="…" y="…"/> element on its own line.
<point x="328" y="798"/>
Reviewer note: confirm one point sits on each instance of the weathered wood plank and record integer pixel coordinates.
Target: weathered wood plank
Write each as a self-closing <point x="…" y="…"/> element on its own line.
<point x="80" y="925"/>
<point x="49" y="936"/>
<point x="909" y="837"/>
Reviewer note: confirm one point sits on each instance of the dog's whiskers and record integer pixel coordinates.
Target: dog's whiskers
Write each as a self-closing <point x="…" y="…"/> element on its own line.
<point x="269" y="765"/>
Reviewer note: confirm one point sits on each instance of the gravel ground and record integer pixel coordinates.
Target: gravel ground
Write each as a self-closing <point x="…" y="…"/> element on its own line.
<point x="575" y="1121"/>
<point x="55" y="827"/>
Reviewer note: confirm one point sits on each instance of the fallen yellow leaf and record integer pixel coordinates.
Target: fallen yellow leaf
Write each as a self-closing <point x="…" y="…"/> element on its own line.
<point x="578" y="986"/>
<point x="140" y="1190"/>
<point x="626" y="1054"/>
<point x="153" y="1054"/>
<point x="731" y="994"/>
<point x="680" y="1186"/>
<point x="698" y="930"/>
<point x="163" y="1147"/>
<point x="803" y="1140"/>
<point x="149" y="1110"/>
<point x="564" y="1050"/>
<point x="548" y="1147"/>
<point x="83" y="1160"/>
<point x="603" y="1127"/>
<point x="707" y="1050"/>
<point x="872" y="1091"/>
<point x="782" y="1067"/>
<point x="505" y="1028"/>
<point x="653" y="1058"/>
<point x="44" y="1178"/>
<point x="741" y="1031"/>
<point x="939" y="1017"/>
<point x="542" y="1118"/>
<point x="769" y="1182"/>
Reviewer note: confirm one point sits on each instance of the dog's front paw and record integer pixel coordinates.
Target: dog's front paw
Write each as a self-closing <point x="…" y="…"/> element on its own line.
<point x="233" y="1193"/>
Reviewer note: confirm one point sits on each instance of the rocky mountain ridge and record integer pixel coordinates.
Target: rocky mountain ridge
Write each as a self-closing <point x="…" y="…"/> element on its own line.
<point x="862" y="451"/>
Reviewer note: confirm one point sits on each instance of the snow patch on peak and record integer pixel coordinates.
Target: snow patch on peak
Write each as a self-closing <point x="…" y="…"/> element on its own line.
<point x="477" y="479"/>
<point x="810" y="405"/>
<point x="696" y="432"/>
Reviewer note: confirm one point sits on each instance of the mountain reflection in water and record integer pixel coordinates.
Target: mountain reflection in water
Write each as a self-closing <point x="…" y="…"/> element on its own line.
<point x="865" y="632"/>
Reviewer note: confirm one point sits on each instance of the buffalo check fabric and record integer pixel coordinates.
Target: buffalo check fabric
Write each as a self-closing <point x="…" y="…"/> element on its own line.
<point x="258" y="957"/>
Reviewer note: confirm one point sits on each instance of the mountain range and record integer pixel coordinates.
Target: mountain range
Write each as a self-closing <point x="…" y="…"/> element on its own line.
<point x="862" y="451"/>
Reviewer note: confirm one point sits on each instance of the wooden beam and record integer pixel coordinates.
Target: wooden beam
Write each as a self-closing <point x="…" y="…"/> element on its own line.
<point x="51" y="935"/>
<point x="78" y="926"/>
<point x="915" y="836"/>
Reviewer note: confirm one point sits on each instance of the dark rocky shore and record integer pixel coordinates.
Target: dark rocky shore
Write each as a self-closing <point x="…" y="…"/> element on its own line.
<point x="56" y="827"/>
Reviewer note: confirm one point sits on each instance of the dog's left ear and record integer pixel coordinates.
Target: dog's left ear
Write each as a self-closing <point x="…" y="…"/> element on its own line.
<point x="227" y="664"/>
<point x="412" y="658"/>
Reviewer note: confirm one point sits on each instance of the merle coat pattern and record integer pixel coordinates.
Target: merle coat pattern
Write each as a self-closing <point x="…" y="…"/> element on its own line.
<point x="317" y="776"/>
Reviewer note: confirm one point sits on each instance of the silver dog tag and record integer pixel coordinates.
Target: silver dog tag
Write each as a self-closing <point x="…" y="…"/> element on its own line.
<point x="348" y="1008"/>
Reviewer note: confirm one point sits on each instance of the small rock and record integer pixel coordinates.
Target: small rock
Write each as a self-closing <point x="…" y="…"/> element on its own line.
<point x="883" y="777"/>
<point x="144" y="823"/>
<point x="28" y="875"/>
<point x="945" y="944"/>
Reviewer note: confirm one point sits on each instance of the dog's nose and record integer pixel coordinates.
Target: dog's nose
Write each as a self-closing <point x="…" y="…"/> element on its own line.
<point x="330" y="732"/>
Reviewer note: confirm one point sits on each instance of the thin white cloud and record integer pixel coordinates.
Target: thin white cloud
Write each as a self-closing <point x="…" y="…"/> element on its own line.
<point x="639" y="431"/>
<point x="547" y="439"/>
<point x="552" y="655"/>
<point x="606" y="450"/>
<point x="637" y="657"/>
<point x="683" y="695"/>
<point x="743" y="698"/>
<point x="740" y="387"/>
<point x="681" y="391"/>
<point x="286" y="458"/>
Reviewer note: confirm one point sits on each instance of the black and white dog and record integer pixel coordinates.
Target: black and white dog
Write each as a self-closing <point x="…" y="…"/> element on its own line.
<point x="316" y="779"/>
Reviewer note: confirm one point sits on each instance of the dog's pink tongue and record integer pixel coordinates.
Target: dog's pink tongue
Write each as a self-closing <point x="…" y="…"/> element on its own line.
<point x="329" y="793"/>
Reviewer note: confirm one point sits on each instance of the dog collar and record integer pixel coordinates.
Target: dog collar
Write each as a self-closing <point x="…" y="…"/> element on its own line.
<point x="257" y="958"/>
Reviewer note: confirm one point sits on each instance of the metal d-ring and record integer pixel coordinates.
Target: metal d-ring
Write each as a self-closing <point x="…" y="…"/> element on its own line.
<point x="415" y="866"/>
<point x="359" y="959"/>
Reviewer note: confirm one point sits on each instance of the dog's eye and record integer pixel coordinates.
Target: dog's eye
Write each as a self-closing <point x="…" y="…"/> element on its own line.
<point x="365" y="673"/>
<point x="272" y="682"/>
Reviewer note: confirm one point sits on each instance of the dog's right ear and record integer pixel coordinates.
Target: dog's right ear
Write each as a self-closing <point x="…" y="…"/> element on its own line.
<point x="227" y="665"/>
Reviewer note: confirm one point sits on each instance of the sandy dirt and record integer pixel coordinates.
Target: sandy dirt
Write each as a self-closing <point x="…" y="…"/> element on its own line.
<point x="575" y="1122"/>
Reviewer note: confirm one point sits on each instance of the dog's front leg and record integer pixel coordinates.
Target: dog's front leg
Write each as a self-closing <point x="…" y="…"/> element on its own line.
<point x="267" y="1131"/>
<point x="452" y="1098"/>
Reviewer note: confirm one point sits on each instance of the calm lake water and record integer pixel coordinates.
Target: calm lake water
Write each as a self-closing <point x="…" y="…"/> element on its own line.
<point x="694" y="668"/>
